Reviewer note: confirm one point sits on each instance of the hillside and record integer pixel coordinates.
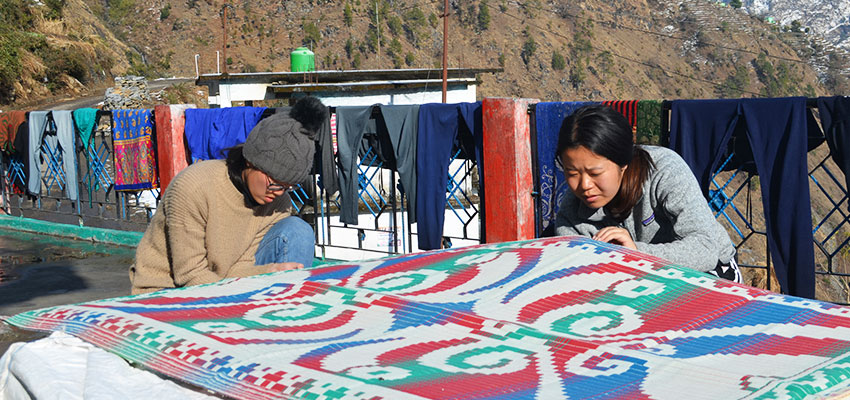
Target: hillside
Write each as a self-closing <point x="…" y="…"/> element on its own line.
<point x="549" y="50"/>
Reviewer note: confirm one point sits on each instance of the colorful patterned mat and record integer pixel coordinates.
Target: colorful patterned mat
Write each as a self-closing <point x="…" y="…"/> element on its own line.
<point x="546" y="319"/>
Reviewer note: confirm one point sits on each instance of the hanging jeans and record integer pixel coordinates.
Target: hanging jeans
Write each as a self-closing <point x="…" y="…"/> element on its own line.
<point x="439" y="125"/>
<point x="61" y="139"/>
<point x="777" y="132"/>
<point x="289" y="240"/>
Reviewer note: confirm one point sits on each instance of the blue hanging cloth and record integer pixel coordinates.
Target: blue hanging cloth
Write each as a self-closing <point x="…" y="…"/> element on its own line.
<point x="209" y="131"/>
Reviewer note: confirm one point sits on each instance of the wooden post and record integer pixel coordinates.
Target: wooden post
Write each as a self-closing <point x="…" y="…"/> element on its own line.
<point x="171" y="145"/>
<point x="507" y="169"/>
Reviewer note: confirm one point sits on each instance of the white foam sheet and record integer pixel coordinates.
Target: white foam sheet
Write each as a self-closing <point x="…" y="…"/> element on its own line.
<point x="63" y="367"/>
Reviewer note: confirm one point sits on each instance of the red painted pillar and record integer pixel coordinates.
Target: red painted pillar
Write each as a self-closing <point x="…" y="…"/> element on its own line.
<point x="509" y="208"/>
<point x="171" y="145"/>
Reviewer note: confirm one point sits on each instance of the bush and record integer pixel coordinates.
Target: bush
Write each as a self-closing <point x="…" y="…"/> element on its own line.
<point x="735" y="84"/>
<point x="312" y="36"/>
<point x="558" y="62"/>
<point x="349" y="47"/>
<point x="164" y="12"/>
<point x="65" y="61"/>
<point x="528" y="49"/>
<point x="54" y="8"/>
<point x="10" y="68"/>
<point x="414" y="23"/>
<point x="119" y="10"/>
<point x="394" y="24"/>
<point x="409" y="59"/>
<point x="483" y="15"/>
<point x="347" y="15"/>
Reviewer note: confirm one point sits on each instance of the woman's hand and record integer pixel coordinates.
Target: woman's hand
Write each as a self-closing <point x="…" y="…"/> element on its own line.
<point x="286" y="266"/>
<point x="615" y="235"/>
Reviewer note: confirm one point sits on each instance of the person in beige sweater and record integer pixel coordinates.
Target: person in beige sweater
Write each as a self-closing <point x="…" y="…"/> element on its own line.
<point x="230" y="218"/>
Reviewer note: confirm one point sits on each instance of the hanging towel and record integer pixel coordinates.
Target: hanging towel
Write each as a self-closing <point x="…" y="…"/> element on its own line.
<point x="552" y="185"/>
<point x="352" y="124"/>
<point x="835" y="119"/>
<point x="402" y="124"/>
<point x="626" y="107"/>
<point x="648" y="122"/>
<point x="10" y="123"/>
<point x="776" y="128"/>
<point x="439" y="126"/>
<point x="84" y="120"/>
<point x="135" y="154"/>
<point x="37" y="121"/>
<point x="209" y="131"/>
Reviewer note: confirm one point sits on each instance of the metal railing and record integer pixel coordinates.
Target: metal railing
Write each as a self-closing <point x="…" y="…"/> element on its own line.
<point x="384" y="229"/>
<point x="384" y="226"/>
<point x="98" y="204"/>
<point x="735" y="199"/>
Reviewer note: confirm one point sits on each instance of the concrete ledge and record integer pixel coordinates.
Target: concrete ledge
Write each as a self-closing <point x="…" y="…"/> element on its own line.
<point x="100" y="235"/>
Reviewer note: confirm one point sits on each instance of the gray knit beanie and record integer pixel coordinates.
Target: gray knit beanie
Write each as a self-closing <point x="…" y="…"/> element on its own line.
<point x="282" y="145"/>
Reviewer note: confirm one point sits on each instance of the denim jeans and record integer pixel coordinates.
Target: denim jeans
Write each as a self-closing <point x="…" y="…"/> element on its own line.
<point x="290" y="240"/>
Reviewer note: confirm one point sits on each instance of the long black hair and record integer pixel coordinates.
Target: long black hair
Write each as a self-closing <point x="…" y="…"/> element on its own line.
<point x="236" y="163"/>
<point x="606" y="132"/>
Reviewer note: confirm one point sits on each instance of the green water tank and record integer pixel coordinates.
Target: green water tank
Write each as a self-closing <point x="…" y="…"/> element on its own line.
<point x="302" y="60"/>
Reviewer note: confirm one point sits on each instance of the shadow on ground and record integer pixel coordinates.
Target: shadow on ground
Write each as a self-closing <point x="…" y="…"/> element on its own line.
<point x="41" y="271"/>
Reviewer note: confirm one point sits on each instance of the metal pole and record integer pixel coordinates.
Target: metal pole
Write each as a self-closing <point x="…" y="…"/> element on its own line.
<point x="378" y="31"/>
<point x="224" y="35"/>
<point x="445" y="47"/>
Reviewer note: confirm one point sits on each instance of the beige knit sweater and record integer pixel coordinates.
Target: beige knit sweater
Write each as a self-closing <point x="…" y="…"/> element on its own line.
<point x="202" y="232"/>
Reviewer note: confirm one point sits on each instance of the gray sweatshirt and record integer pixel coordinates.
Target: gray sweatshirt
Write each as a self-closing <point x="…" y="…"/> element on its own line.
<point x="671" y="220"/>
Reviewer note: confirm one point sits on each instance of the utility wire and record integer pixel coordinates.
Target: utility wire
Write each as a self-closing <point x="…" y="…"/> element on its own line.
<point x="668" y="72"/>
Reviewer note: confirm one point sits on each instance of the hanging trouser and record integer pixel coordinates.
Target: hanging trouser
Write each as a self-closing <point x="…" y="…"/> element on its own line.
<point x="835" y="119"/>
<point x="402" y="126"/>
<point x="352" y="123"/>
<point x="325" y="163"/>
<point x="37" y="124"/>
<point x="64" y="139"/>
<point x="777" y="133"/>
<point x="438" y="131"/>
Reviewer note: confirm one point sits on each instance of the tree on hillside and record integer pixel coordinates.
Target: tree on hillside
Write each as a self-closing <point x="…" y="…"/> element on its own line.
<point x="312" y="36"/>
<point x="483" y="15"/>
<point x="346" y="15"/>
<point x="558" y="62"/>
<point x="528" y="49"/>
<point x="735" y="4"/>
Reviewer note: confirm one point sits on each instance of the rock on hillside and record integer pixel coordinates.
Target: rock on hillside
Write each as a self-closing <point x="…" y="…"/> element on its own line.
<point x="830" y="18"/>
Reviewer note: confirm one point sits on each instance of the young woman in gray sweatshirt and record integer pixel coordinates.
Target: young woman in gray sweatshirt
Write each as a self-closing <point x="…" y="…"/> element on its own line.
<point x="641" y="197"/>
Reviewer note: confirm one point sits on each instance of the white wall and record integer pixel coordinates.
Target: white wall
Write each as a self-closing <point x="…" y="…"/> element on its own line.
<point x="228" y="93"/>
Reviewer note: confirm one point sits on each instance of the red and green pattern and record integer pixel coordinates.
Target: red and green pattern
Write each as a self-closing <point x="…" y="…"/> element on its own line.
<point x="551" y="318"/>
<point x="135" y="157"/>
